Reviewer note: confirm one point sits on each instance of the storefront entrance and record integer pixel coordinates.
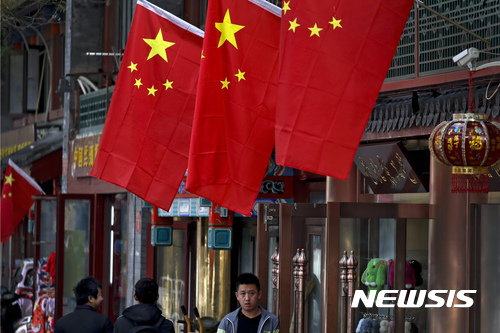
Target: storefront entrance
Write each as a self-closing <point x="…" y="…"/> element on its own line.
<point x="393" y="232"/>
<point x="88" y="234"/>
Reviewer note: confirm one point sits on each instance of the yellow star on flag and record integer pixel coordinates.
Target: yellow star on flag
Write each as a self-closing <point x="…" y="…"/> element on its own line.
<point x="286" y="6"/>
<point x="138" y="83"/>
<point x="240" y="75"/>
<point x="202" y="56"/>
<point x="335" y="23"/>
<point x="293" y="25"/>
<point x="227" y="30"/>
<point x="133" y="67"/>
<point x="225" y="84"/>
<point x="158" y="46"/>
<point x="9" y="179"/>
<point x="168" y="84"/>
<point x="10" y="194"/>
<point x="315" y="30"/>
<point x="152" y="91"/>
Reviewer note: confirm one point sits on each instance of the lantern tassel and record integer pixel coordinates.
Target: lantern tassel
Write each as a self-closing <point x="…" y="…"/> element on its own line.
<point x="469" y="183"/>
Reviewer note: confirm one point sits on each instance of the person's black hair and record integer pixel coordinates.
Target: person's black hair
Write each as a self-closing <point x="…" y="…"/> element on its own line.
<point x="86" y="287"/>
<point x="247" y="278"/>
<point x="146" y="291"/>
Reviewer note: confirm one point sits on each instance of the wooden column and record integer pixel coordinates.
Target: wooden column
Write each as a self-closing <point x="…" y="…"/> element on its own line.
<point x="332" y="268"/>
<point x="285" y="281"/>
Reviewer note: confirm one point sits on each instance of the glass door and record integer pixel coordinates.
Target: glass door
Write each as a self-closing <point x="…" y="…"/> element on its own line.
<point x="174" y="272"/>
<point x="387" y="239"/>
<point x="485" y="266"/>
<point x="43" y="271"/>
<point x="75" y="251"/>
<point x="315" y="278"/>
<point x="115" y="225"/>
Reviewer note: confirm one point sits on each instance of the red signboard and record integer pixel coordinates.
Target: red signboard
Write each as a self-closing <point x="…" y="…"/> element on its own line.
<point x="220" y="217"/>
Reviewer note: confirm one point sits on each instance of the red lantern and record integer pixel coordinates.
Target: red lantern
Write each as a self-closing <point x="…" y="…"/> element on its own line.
<point x="470" y="143"/>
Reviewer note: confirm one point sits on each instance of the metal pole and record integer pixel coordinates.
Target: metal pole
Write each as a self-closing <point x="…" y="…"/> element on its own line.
<point x="104" y="54"/>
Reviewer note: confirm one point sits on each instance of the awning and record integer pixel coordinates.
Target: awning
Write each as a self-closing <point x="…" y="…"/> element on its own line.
<point x="44" y="156"/>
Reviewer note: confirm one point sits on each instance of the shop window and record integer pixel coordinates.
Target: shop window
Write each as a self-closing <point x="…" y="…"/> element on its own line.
<point x="48" y="228"/>
<point x="373" y="241"/>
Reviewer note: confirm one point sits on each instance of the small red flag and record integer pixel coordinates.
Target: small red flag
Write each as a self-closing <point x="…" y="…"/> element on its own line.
<point x="233" y="127"/>
<point x="145" y="141"/>
<point x="17" y="197"/>
<point x="334" y="58"/>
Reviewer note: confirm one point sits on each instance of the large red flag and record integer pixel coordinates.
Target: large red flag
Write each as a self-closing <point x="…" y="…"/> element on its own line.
<point x="233" y="127"/>
<point x="334" y="58"/>
<point x="17" y="197"/>
<point x="145" y="141"/>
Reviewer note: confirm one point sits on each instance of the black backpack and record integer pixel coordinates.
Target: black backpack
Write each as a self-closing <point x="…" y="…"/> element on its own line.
<point x="147" y="328"/>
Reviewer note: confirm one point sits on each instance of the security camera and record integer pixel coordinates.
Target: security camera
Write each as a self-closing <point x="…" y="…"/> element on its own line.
<point x="467" y="58"/>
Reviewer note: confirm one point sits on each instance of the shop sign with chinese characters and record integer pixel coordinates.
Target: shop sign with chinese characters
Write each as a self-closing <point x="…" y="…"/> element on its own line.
<point x="84" y="151"/>
<point x="17" y="139"/>
<point x="387" y="169"/>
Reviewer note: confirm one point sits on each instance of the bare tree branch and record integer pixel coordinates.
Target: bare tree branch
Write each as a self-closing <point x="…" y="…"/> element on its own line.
<point x="26" y="16"/>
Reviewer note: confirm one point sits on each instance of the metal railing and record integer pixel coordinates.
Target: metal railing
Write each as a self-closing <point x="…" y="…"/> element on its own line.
<point x="439" y="41"/>
<point x="93" y="108"/>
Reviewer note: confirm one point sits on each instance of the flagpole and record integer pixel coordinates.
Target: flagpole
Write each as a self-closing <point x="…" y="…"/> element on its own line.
<point x="9" y="263"/>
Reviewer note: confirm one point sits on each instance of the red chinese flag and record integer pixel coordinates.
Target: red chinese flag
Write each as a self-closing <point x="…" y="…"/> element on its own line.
<point x="145" y="141"/>
<point x="233" y="127"/>
<point x="17" y="197"/>
<point x="334" y="58"/>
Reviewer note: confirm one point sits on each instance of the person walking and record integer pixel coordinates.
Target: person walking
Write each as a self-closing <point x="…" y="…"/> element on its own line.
<point x="249" y="317"/>
<point x="144" y="316"/>
<point x="85" y="318"/>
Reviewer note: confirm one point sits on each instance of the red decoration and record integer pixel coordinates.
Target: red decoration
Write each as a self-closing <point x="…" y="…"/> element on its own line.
<point x="17" y="197"/>
<point x="334" y="57"/>
<point x="220" y="217"/>
<point x="470" y="143"/>
<point x="233" y="125"/>
<point x="144" y="145"/>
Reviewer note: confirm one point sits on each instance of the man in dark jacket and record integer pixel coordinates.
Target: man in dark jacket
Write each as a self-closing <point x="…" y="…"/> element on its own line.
<point x="145" y="313"/>
<point x="85" y="318"/>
